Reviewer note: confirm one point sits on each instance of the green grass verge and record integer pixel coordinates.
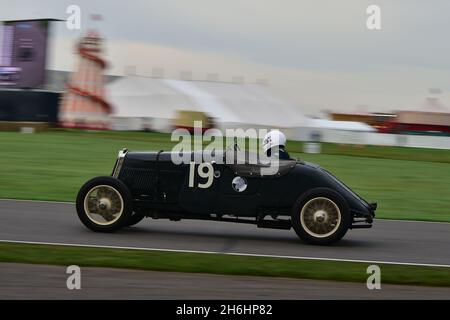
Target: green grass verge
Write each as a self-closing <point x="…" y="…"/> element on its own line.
<point x="379" y="152"/>
<point x="407" y="183"/>
<point x="220" y="264"/>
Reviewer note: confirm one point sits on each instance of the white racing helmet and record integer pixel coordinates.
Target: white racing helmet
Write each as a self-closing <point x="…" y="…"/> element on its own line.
<point x="272" y="139"/>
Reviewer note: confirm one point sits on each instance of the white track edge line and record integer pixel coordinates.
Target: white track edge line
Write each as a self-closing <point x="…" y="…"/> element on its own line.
<point x="227" y="253"/>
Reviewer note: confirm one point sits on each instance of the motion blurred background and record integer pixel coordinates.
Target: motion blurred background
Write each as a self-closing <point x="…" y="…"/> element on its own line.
<point x="370" y="105"/>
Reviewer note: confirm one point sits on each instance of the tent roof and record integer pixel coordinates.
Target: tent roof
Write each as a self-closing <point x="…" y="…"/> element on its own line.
<point x="135" y="96"/>
<point x="339" y="125"/>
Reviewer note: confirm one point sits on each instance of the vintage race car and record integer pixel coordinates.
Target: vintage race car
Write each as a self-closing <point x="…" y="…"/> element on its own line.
<point x="299" y="194"/>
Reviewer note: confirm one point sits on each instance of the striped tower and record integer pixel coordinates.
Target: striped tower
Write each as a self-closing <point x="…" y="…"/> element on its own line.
<point x="83" y="104"/>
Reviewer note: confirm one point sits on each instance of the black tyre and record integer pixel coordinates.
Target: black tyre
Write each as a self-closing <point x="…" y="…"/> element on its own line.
<point x="321" y="216"/>
<point x="104" y="204"/>
<point x="135" y="219"/>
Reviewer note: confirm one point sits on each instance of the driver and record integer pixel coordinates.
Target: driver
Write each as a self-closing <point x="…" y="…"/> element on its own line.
<point x="274" y="144"/>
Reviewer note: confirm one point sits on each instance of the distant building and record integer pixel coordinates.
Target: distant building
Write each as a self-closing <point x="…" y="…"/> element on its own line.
<point x="431" y="118"/>
<point x="376" y="120"/>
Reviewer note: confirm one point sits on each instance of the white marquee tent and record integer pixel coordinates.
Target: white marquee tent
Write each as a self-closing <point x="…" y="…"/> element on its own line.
<point x="139" y="101"/>
<point x="143" y="102"/>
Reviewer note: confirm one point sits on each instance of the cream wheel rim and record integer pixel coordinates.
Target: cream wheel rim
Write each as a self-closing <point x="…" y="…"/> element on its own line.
<point x="320" y="217"/>
<point x="103" y="205"/>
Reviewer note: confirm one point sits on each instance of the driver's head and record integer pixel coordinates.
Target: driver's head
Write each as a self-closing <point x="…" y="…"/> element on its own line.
<point x="274" y="138"/>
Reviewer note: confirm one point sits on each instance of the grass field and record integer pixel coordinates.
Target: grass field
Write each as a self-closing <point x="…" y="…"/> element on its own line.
<point x="221" y="264"/>
<point x="407" y="183"/>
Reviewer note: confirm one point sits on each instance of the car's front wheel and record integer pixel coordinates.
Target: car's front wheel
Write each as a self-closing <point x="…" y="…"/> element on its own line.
<point x="321" y="216"/>
<point x="104" y="204"/>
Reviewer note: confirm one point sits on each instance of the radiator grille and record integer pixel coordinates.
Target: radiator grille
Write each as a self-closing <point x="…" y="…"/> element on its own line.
<point x="141" y="181"/>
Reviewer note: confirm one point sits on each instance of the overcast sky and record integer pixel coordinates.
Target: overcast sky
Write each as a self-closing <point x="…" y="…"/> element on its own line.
<point x="318" y="54"/>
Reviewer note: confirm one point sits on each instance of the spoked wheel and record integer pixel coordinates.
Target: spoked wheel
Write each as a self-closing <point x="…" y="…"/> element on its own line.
<point x="321" y="217"/>
<point x="104" y="204"/>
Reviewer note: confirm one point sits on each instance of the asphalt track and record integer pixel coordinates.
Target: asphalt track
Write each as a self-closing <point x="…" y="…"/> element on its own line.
<point x="388" y="241"/>
<point x="24" y="281"/>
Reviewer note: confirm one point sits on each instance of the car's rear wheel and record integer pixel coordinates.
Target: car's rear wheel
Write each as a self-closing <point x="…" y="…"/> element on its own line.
<point x="104" y="204"/>
<point x="321" y="216"/>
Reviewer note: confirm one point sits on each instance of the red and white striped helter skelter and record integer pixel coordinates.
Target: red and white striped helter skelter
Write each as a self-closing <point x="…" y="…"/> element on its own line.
<point x="84" y="105"/>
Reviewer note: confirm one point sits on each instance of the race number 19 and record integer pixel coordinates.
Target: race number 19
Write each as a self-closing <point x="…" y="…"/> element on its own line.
<point x="205" y="171"/>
